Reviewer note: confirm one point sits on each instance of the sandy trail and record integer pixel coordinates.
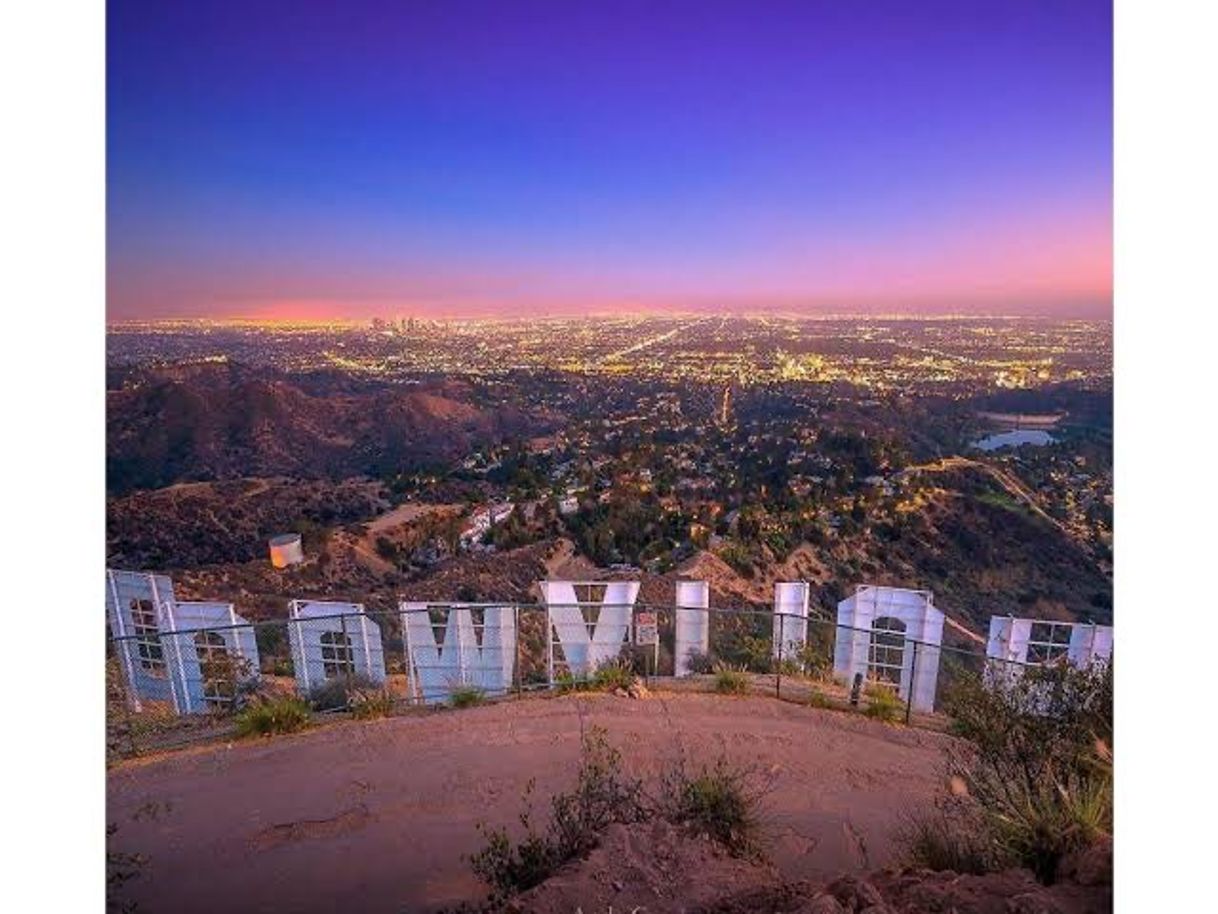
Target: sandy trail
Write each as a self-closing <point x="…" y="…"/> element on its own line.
<point x="407" y="513"/>
<point x="376" y="816"/>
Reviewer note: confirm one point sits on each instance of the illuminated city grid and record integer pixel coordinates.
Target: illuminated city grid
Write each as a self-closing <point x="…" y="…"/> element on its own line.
<point x="912" y="355"/>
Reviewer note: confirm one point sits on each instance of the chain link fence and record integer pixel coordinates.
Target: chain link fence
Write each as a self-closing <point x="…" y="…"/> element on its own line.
<point x="171" y="688"/>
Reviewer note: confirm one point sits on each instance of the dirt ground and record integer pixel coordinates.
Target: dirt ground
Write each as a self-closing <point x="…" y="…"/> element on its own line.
<point x="651" y="867"/>
<point x="654" y="868"/>
<point x="378" y="816"/>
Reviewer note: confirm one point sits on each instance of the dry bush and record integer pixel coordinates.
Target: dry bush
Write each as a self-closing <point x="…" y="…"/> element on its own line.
<point x="720" y="802"/>
<point x="817" y="699"/>
<point x="949" y="837"/>
<point x="336" y="694"/>
<point x="371" y="703"/>
<point x="731" y="681"/>
<point x="614" y="674"/>
<point x="465" y="695"/>
<point x="883" y="703"/>
<point x="602" y="797"/>
<point x="1035" y="778"/>
<point x="275" y="715"/>
<point x="700" y="663"/>
<point x="121" y="867"/>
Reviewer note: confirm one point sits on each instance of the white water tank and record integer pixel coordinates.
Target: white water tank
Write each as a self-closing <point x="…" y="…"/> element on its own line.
<point x="286" y="550"/>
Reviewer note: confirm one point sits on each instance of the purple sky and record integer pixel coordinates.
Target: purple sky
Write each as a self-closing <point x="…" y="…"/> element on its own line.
<point x="308" y="159"/>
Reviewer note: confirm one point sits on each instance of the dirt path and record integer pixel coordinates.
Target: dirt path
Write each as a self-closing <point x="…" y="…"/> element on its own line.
<point x="365" y="546"/>
<point x="376" y="817"/>
<point x="965" y="632"/>
<point x="407" y="513"/>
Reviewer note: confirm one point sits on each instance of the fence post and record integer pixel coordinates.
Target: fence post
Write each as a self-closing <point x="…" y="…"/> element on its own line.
<point x="913" y="679"/>
<point x="348" y="655"/>
<point x="549" y="650"/>
<point x="778" y="667"/>
<point x="404" y="622"/>
<point x="128" y="700"/>
<point x="517" y="677"/>
<point x="655" y="649"/>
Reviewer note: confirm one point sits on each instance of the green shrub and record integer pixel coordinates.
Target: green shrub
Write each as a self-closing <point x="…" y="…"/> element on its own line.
<point x="811" y="659"/>
<point x="950" y="837"/>
<point x="719" y="802"/>
<point x="366" y="705"/>
<point x="280" y="666"/>
<point x="464" y="695"/>
<point x="815" y="657"/>
<point x="731" y="681"/>
<point x="566" y="682"/>
<point x="756" y="654"/>
<point x="884" y="704"/>
<point x="336" y="694"/>
<point x="645" y="659"/>
<point x="700" y="663"/>
<point x="743" y="640"/>
<point x="510" y="868"/>
<point x="1036" y="776"/>
<point x="602" y="797"/>
<point x="1036" y="824"/>
<point x="1017" y="824"/>
<point x="738" y="558"/>
<point x="275" y="715"/>
<point x="817" y="699"/>
<point x="787" y="667"/>
<point x="230" y="679"/>
<point x="614" y="674"/>
<point x="1050" y="713"/>
<point x="716" y="802"/>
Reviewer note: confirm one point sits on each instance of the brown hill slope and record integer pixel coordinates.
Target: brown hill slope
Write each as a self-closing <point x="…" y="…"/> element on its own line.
<point x="980" y="558"/>
<point x="205" y="523"/>
<point x="981" y="551"/>
<point x="984" y="553"/>
<point x="221" y="421"/>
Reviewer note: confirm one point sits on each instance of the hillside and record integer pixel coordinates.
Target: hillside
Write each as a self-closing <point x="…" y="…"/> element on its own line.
<point x="223" y="421"/>
<point x="962" y="533"/>
<point x="986" y="551"/>
<point x="1048" y="580"/>
<point x="230" y="521"/>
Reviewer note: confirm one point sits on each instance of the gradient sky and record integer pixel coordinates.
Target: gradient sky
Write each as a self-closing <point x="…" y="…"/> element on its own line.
<point x="316" y="159"/>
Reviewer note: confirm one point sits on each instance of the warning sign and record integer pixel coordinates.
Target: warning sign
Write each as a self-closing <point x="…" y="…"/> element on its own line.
<point x="646" y="629"/>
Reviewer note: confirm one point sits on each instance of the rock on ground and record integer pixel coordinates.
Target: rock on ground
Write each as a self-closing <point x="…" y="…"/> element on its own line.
<point x="658" y="869"/>
<point x="913" y="891"/>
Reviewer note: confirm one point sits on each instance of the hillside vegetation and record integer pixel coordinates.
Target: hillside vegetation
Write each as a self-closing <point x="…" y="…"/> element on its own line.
<point x="980" y="554"/>
<point x="207" y="460"/>
<point x="224" y="421"/>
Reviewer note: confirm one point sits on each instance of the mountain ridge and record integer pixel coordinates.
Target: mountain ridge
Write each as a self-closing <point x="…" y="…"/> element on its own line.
<point x="214" y="421"/>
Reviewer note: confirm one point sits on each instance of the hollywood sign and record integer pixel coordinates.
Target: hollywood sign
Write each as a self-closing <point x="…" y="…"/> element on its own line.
<point x="174" y="651"/>
<point x="1014" y="645"/>
<point x="458" y="645"/>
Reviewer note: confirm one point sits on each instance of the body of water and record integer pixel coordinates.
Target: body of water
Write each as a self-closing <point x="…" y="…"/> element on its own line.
<point x="1014" y="438"/>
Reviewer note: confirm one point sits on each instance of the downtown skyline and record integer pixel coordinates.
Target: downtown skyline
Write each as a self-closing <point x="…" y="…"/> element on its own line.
<point x="291" y="161"/>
